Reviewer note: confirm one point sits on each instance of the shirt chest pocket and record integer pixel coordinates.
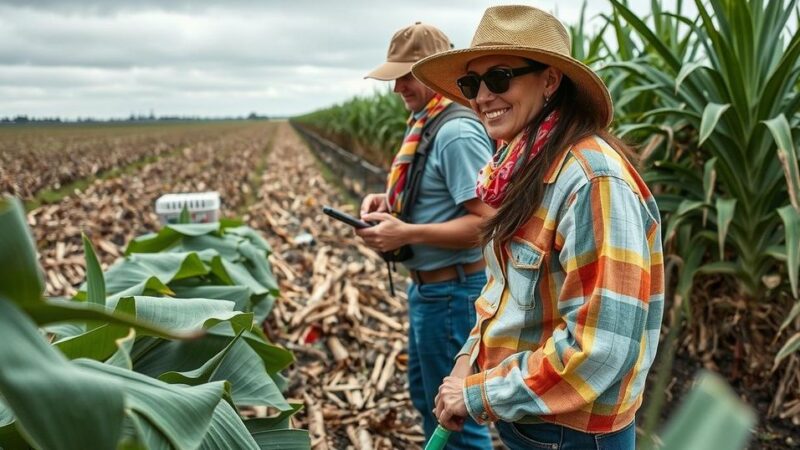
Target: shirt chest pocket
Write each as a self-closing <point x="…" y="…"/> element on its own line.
<point x="523" y="271"/>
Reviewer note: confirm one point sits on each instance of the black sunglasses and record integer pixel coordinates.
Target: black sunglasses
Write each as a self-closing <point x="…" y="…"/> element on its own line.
<point x="497" y="80"/>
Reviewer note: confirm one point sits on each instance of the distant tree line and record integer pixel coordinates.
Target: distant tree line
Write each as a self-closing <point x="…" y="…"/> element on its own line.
<point x="24" y="119"/>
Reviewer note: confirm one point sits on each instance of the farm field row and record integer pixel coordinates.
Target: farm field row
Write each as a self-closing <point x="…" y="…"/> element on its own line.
<point x="38" y="158"/>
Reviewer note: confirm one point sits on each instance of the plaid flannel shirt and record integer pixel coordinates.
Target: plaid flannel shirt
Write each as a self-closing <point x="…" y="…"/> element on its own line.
<point x="568" y="322"/>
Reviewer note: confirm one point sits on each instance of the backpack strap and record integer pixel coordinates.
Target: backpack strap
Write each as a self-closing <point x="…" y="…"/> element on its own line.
<point x="453" y="111"/>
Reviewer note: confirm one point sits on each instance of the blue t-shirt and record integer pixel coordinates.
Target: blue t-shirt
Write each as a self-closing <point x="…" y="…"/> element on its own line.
<point x="460" y="149"/>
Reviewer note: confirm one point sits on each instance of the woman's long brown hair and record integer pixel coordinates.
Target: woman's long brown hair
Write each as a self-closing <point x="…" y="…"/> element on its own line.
<point x="526" y="188"/>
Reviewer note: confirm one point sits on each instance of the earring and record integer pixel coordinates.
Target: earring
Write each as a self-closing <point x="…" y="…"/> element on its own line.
<point x="546" y="99"/>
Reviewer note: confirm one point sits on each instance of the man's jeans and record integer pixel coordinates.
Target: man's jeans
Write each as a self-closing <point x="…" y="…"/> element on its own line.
<point x="441" y="317"/>
<point x="556" y="437"/>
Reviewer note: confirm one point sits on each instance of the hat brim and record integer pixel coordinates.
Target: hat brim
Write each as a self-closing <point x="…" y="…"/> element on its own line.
<point x="440" y="72"/>
<point x="390" y="71"/>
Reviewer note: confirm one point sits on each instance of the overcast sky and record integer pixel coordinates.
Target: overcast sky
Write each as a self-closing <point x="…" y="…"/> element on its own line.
<point x="115" y="58"/>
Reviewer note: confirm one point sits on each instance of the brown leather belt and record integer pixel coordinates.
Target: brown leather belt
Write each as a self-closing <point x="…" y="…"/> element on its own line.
<point x="445" y="273"/>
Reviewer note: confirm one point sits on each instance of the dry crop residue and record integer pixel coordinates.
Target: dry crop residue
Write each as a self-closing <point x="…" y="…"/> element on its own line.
<point x="114" y="211"/>
<point x="347" y="332"/>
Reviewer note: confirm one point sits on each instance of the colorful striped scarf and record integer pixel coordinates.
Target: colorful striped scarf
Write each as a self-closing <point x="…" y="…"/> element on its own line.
<point x="398" y="176"/>
<point x="493" y="180"/>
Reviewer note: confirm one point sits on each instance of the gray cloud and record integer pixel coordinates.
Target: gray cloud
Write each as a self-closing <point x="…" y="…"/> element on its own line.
<point x="99" y="58"/>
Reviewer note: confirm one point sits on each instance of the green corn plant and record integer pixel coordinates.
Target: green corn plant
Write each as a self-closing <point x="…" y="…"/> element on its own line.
<point x="714" y="98"/>
<point x="371" y="126"/>
<point x="740" y="106"/>
<point x="590" y="49"/>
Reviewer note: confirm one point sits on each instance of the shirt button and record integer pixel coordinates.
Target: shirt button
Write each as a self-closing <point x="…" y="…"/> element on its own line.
<point x="484" y="416"/>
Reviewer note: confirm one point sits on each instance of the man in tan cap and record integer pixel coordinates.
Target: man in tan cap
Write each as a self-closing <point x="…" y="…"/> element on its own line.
<point x="429" y="219"/>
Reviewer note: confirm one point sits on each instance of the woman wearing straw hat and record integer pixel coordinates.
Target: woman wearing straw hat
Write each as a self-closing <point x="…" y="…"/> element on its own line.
<point x="568" y="322"/>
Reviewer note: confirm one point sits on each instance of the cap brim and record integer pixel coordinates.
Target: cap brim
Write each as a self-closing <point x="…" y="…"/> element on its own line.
<point x="390" y="71"/>
<point x="440" y="72"/>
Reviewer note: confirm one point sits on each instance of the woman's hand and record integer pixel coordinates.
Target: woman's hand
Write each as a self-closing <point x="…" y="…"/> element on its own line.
<point x="450" y="408"/>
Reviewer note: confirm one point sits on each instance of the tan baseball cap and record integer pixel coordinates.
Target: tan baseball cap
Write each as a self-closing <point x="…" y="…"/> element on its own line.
<point x="408" y="46"/>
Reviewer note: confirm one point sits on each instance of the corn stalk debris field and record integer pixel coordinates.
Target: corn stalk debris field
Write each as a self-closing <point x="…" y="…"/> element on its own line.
<point x="37" y="158"/>
<point x="335" y="313"/>
<point x="113" y="211"/>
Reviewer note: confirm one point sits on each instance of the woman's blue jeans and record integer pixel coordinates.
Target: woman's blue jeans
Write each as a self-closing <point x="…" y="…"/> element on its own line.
<point x="441" y="316"/>
<point x="517" y="436"/>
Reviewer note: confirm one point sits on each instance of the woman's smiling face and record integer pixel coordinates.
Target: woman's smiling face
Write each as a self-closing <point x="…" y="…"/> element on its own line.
<point x="505" y="115"/>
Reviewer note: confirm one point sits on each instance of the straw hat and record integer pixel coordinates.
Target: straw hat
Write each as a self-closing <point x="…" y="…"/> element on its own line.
<point x="521" y="31"/>
<point x="409" y="45"/>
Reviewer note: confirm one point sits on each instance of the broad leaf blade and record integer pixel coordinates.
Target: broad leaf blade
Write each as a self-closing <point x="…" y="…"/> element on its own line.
<point x="122" y="357"/>
<point x="227" y="431"/>
<point x="35" y="378"/>
<point x="792" y="345"/>
<point x="67" y="311"/>
<point x="725" y="210"/>
<point x="183" y="414"/>
<point x="782" y="134"/>
<point x="20" y="276"/>
<point x="791" y="224"/>
<point x="96" y="285"/>
<point x="712" y="416"/>
<point x="711" y="115"/>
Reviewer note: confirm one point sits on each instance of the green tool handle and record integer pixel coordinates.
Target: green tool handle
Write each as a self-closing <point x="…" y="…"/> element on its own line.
<point x="439" y="438"/>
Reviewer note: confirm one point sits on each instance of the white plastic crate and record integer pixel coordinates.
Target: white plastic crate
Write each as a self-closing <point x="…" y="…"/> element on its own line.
<point x="203" y="207"/>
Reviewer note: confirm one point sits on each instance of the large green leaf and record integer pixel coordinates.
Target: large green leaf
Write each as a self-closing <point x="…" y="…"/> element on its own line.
<point x="84" y="409"/>
<point x="186" y="314"/>
<point x="168" y="236"/>
<point x="60" y="311"/>
<point x="286" y="439"/>
<point x="685" y="71"/>
<point x="685" y="208"/>
<point x="203" y="373"/>
<point x="790" y="318"/>
<point x="96" y="286"/>
<point x="712" y="416"/>
<point x="10" y="439"/>
<point x="227" y="431"/>
<point x="166" y="267"/>
<point x="138" y="434"/>
<point x="20" y="276"/>
<point x="279" y="421"/>
<point x="252" y="236"/>
<point x="99" y="344"/>
<point x="275" y="358"/>
<point x="782" y="134"/>
<point x="241" y="276"/>
<point x="181" y="413"/>
<point x="122" y="357"/>
<point x="711" y="115"/>
<point x="792" y="345"/>
<point x="709" y="183"/>
<point x="181" y="315"/>
<point x="239" y="295"/>
<point x="225" y="245"/>
<point x="725" y="210"/>
<point x="791" y="224"/>
<point x="216" y="357"/>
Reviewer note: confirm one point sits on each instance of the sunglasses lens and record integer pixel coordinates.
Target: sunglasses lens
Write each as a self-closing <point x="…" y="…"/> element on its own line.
<point x="469" y="85"/>
<point x="497" y="80"/>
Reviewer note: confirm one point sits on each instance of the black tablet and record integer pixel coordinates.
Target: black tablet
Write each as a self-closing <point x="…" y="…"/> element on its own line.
<point x="344" y="217"/>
